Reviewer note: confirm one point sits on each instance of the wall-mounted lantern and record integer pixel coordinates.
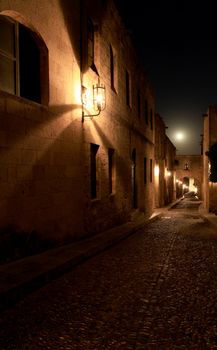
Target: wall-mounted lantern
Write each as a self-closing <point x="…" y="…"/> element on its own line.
<point x="98" y="102"/>
<point x="99" y="97"/>
<point x="168" y="173"/>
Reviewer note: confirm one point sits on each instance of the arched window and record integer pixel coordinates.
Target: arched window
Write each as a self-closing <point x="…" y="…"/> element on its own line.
<point x="20" y="61"/>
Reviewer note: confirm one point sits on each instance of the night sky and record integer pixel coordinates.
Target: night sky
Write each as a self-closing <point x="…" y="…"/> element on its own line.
<point x="178" y="46"/>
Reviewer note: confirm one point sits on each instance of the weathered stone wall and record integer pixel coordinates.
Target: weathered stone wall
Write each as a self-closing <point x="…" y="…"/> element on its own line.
<point x="119" y="127"/>
<point x="210" y="138"/>
<point x="41" y="149"/>
<point x="170" y="171"/>
<point x="160" y="159"/>
<point x="205" y="186"/>
<point x="45" y="148"/>
<point x="165" y="153"/>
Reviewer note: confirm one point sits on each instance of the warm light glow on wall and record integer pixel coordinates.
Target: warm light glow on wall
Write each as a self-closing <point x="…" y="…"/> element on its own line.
<point x="77" y="94"/>
<point x="156" y="170"/>
<point x="86" y="97"/>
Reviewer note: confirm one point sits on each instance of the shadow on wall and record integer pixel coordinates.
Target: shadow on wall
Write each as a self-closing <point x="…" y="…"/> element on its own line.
<point x="43" y="178"/>
<point x="75" y="16"/>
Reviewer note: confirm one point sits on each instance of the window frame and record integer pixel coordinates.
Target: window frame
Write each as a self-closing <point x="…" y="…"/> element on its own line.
<point x="43" y="71"/>
<point x="90" y="42"/>
<point x="13" y="58"/>
<point x="113" y="69"/>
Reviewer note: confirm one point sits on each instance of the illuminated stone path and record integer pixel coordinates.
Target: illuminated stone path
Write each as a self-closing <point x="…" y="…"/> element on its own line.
<point x="155" y="290"/>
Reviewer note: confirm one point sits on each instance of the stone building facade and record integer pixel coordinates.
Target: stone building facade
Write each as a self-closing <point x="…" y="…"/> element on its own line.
<point x="189" y="174"/>
<point x="164" y="171"/>
<point x="210" y="159"/>
<point x="170" y="173"/>
<point x="160" y="158"/>
<point x="64" y="172"/>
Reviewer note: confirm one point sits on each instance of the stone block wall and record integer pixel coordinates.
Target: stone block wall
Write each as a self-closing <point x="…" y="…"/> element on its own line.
<point x="209" y="139"/>
<point x="45" y="147"/>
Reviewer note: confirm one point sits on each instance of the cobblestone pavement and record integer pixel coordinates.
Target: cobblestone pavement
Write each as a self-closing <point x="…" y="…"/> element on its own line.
<point x="154" y="290"/>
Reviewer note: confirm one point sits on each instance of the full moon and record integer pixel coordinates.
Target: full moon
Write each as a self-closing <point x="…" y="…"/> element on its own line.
<point x="179" y="136"/>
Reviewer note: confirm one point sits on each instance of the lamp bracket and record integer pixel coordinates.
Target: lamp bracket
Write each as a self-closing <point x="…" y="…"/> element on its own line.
<point x="89" y="115"/>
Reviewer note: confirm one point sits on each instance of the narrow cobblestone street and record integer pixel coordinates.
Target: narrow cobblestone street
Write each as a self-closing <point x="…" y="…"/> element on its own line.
<point x="154" y="290"/>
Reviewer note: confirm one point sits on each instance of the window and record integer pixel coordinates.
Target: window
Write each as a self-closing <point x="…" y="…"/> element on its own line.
<point x="111" y="169"/>
<point x="145" y="170"/>
<point x="90" y="37"/>
<point x="151" y="170"/>
<point x="19" y="60"/>
<point x="7" y="56"/>
<point x="146" y="112"/>
<point x="113" y="69"/>
<point x="151" y="119"/>
<point x="127" y="88"/>
<point x="139" y="103"/>
<point x="92" y="44"/>
<point x="93" y="169"/>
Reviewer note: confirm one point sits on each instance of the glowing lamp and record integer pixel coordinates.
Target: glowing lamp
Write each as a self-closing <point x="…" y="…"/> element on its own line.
<point x="99" y="97"/>
<point x="167" y="173"/>
<point x="98" y="102"/>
